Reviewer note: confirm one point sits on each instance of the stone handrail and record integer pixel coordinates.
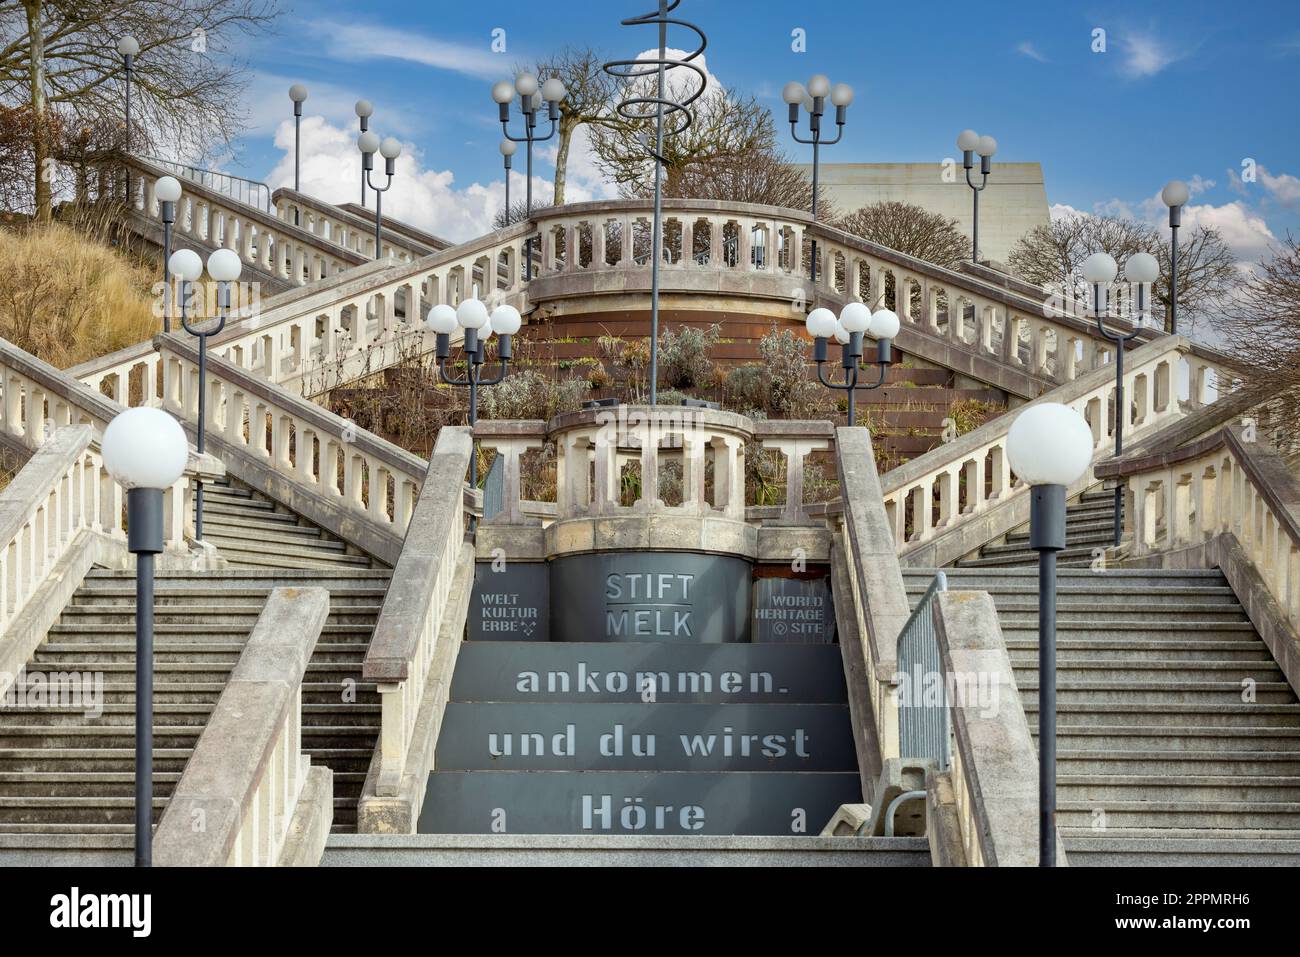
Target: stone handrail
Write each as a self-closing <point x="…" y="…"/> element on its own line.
<point x="347" y="229"/>
<point x="340" y="476"/>
<point x="957" y="485"/>
<point x="245" y="779"/>
<point x="876" y="580"/>
<point x="402" y="646"/>
<point x="263" y="242"/>
<point x="994" y="761"/>
<point x="1225" y="482"/>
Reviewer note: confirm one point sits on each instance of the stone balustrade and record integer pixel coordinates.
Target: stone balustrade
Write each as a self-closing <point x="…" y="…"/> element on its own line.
<point x="940" y="503"/>
<point x="342" y="477"/>
<point x="246" y="783"/>
<point x="347" y="229"/>
<point x="264" y="243"/>
<point x="663" y="477"/>
<point x="405" y="642"/>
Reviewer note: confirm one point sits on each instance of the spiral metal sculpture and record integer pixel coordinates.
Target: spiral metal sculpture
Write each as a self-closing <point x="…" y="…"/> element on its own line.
<point x="672" y="116"/>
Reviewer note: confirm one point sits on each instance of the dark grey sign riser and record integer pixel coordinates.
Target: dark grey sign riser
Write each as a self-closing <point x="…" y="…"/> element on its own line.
<point x="608" y="672"/>
<point x="671" y="597"/>
<point x="635" y="804"/>
<point x="510" y="603"/>
<point x="634" y="737"/>
<point x="793" y="610"/>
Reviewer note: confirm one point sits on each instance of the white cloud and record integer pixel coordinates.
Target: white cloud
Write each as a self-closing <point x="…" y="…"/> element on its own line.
<point x="268" y="105"/>
<point x="1026" y="48"/>
<point x="1144" y="55"/>
<point x="358" y="41"/>
<point x="1245" y="231"/>
<point x="1283" y="187"/>
<point x="427" y="198"/>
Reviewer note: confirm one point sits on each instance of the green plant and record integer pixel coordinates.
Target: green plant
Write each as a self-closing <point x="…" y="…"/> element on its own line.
<point x="684" y="356"/>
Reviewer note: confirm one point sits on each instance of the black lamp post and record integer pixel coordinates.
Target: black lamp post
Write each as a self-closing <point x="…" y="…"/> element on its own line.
<point x="1049" y="447"/>
<point x="129" y="48"/>
<point x="1175" y="196"/>
<point x="1100" y="270"/>
<point x="813" y="100"/>
<point x="508" y="149"/>
<point x="531" y="97"/>
<point x="167" y="191"/>
<point x="472" y="318"/>
<point x="855" y="319"/>
<point x="145" y="451"/>
<point x="364" y="110"/>
<point x="297" y="93"/>
<point x="390" y="149"/>
<point x="970" y="143"/>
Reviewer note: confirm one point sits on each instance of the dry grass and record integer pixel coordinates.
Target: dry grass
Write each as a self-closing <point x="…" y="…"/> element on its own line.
<point x="66" y="295"/>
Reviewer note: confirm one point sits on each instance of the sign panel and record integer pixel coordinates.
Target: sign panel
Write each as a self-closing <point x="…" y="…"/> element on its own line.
<point x="678" y="597"/>
<point x="510" y="736"/>
<point x="793" y="610"/>
<point x="636" y="803"/>
<point x="606" y="672"/>
<point x="510" y="603"/>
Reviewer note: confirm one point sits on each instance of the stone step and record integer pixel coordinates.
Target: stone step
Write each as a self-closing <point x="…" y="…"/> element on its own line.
<point x="76" y="655"/>
<point x="603" y="672"/>
<point x="508" y="736"/>
<point x="1181" y="814"/>
<point x="280" y="555"/>
<point x="1099" y="691"/>
<point x="1126" y="610"/>
<point x="99" y="597"/>
<point x="1123" y="648"/>
<point x="1179" y="763"/>
<point x="82" y="784"/>
<point x="994" y="556"/>
<point x="1074" y="526"/>
<point x="1072" y="670"/>
<point x="1070" y="596"/>
<point x="1159" y="739"/>
<point x="553" y="802"/>
<point x="1143" y="630"/>
<point x="1173" y="716"/>
<point x="1182" y="847"/>
<point x="208" y="630"/>
<point x="44" y="810"/>
<point x="1100" y="788"/>
<point x="579" y="850"/>
<point x="1121" y="577"/>
<point x="187" y="613"/>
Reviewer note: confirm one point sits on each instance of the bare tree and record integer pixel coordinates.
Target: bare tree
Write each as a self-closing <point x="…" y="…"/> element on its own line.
<point x="763" y="176"/>
<point x="909" y="229"/>
<point x="61" y="56"/>
<point x="1052" y="256"/>
<point x="728" y="126"/>
<point x="1266" y="338"/>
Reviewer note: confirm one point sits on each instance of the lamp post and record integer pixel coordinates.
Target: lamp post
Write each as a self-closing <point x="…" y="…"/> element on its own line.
<point x="507" y="152"/>
<point x="224" y="267"/>
<point x="297" y="93"/>
<point x="1100" y="269"/>
<point x="472" y="317"/>
<point x="389" y="149"/>
<point x="1174" y="195"/>
<point x="531" y="97"/>
<point x="145" y="451"/>
<point x="813" y="100"/>
<point x="970" y="143"/>
<point x="855" y="319"/>
<point x="1049" y="446"/>
<point x="129" y="48"/>
<point x="168" y="191"/>
<point x="364" y="110"/>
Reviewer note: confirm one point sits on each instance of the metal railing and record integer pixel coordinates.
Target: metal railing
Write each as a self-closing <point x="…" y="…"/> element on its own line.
<point x="924" y="725"/>
<point x="251" y="192"/>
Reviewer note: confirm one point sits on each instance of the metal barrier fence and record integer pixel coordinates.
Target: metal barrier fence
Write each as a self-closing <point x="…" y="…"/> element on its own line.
<point x="251" y="192"/>
<point x="924" y="724"/>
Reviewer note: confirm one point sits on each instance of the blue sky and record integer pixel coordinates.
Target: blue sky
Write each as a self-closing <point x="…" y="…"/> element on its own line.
<point x="1186" y="90"/>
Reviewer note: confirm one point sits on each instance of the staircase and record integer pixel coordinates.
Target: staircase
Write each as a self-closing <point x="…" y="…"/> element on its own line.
<point x="1089" y="526"/>
<point x="1160" y="759"/>
<point x="69" y="773"/>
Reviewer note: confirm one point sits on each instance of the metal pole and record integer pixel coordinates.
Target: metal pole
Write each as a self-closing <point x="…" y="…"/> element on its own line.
<point x="657" y="241"/>
<point x="1120" y="416"/>
<point x="128" y="126"/>
<point x="167" y="268"/>
<point x="203" y="425"/>
<point x="144" y="531"/>
<point x="472" y="372"/>
<point x="1173" y="272"/>
<point x="379" y="213"/>
<point x="297" y="117"/>
<point x="528" y="203"/>
<point x="1047" y="537"/>
<point x="817" y="136"/>
<point x="975" y="230"/>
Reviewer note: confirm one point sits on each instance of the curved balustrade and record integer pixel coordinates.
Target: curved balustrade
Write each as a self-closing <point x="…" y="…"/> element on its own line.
<point x="966" y="479"/>
<point x="347" y="229"/>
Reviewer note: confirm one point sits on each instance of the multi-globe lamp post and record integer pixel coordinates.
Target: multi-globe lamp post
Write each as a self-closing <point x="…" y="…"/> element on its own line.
<point x="224" y="268"/>
<point x="508" y="149"/>
<point x="167" y="191"/>
<point x="297" y="93"/>
<point x="145" y="451"/>
<point x="1049" y="447"/>
<point x="971" y="143"/>
<point x="813" y="99"/>
<point x="477" y="326"/>
<point x="1175" y="196"/>
<point x="532" y="95"/>
<point x="389" y="148"/>
<point x="1100" y="270"/>
<point x="364" y="110"/>
<point x="855" y="319"/>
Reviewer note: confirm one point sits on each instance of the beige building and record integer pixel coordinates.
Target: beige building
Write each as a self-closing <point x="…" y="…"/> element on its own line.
<point x="1013" y="204"/>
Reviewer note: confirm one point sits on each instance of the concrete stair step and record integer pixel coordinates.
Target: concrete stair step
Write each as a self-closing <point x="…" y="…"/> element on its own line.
<point x="106" y="809"/>
<point x="1214" y="630"/>
<point x="999" y="556"/>
<point x="1182" y="847"/>
<point x="1179" y="763"/>
<point x="193" y="614"/>
<point x="1144" y="671"/>
<point x="240" y="526"/>
<point x="1181" y="814"/>
<point x="1191" y="788"/>
<point x="1124" y="648"/>
<point x="211" y="630"/>
<point x="117" y="598"/>
<point x="1181" y="717"/>
<point x="1157" y="740"/>
<point x="1098" y="691"/>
